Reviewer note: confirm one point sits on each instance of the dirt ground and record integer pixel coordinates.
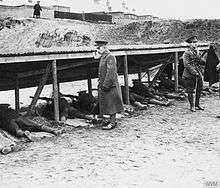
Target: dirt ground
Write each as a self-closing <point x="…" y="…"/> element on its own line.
<point x="159" y="147"/>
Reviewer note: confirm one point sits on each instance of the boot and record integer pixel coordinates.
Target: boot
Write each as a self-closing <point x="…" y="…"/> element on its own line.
<point x="190" y="98"/>
<point x="50" y="130"/>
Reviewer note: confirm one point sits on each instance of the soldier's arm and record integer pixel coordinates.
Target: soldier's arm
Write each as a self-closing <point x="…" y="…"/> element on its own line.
<point x="202" y="59"/>
<point x="188" y="64"/>
<point x="110" y="73"/>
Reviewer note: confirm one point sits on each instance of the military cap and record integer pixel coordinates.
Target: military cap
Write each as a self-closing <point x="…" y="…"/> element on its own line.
<point x="101" y="42"/>
<point x="85" y="37"/>
<point x="190" y="39"/>
<point x="81" y="92"/>
<point x="4" y="105"/>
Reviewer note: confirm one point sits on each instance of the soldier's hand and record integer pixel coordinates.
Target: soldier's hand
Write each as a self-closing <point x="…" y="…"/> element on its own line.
<point x="218" y="67"/>
<point x="197" y="75"/>
<point x="103" y="88"/>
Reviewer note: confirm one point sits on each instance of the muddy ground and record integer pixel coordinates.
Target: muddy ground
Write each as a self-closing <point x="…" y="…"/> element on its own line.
<point x="159" y="147"/>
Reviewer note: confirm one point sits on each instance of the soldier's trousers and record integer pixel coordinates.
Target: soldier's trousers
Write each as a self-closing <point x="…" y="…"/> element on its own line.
<point x="26" y="124"/>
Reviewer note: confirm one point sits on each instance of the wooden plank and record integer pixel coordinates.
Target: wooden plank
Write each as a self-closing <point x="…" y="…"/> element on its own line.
<point x="89" y="80"/>
<point x="139" y="73"/>
<point x="17" y="99"/>
<point x="148" y="76"/>
<point x="39" y="89"/>
<point x="157" y="75"/>
<point x="155" y="67"/>
<point x="176" y="75"/>
<point x="124" y="50"/>
<point x="59" y="68"/>
<point x="126" y="80"/>
<point x="219" y="85"/>
<point x="55" y="91"/>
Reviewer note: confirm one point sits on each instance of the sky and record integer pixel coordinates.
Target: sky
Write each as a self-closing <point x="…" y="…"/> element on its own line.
<point x="177" y="9"/>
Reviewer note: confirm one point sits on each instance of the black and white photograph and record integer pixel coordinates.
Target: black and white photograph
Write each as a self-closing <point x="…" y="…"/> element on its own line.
<point x="109" y="94"/>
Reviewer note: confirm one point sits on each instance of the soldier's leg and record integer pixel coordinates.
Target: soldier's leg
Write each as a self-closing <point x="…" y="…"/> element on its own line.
<point x="14" y="129"/>
<point x="190" y="99"/>
<point x="190" y="86"/>
<point x="74" y="113"/>
<point x="158" y="102"/>
<point x="136" y="100"/>
<point x="132" y="98"/>
<point x="29" y="125"/>
<point x="198" y="94"/>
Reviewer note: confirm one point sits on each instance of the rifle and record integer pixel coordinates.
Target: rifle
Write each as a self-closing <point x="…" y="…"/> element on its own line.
<point x="73" y="97"/>
<point x="44" y="98"/>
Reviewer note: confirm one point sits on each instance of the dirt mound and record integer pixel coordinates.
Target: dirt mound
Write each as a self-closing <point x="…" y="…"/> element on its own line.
<point x="173" y="30"/>
<point x="20" y="36"/>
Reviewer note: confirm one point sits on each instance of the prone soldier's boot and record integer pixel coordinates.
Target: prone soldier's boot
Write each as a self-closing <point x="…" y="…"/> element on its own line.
<point x="51" y="130"/>
<point x="190" y="98"/>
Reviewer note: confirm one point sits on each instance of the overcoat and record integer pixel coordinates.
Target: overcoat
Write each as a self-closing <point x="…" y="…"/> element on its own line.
<point x="110" y="100"/>
<point x="192" y="61"/>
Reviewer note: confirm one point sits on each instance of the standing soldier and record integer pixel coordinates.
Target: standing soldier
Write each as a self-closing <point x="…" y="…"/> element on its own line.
<point x="192" y="73"/>
<point x="37" y="9"/>
<point x="110" y="98"/>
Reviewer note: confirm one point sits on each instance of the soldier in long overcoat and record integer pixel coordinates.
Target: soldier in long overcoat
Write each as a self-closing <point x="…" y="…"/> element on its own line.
<point x="110" y="97"/>
<point x="193" y="73"/>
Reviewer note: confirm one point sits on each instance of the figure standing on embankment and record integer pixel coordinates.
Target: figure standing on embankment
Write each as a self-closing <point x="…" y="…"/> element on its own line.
<point x="109" y="91"/>
<point x="37" y="10"/>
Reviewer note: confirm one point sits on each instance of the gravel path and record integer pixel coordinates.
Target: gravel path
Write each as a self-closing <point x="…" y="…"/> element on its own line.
<point x="159" y="147"/>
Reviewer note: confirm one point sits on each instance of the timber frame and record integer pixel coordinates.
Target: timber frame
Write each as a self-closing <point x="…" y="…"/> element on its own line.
<point x="34" y="68"/>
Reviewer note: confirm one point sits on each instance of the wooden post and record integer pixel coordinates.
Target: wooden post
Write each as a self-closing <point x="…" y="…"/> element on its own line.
<point x="126" y="80"/>
<point x="58" y="86"/>
<point x="176" y="76"/>
<point x="139" y="73"/>
<point x="17" y="101"/>
<point x="55" y="91"/>
<point x="219" y="85"/>
<point x="39" y="90"/>
<point x="89" y="81"/>
<point x="148" y="76"/>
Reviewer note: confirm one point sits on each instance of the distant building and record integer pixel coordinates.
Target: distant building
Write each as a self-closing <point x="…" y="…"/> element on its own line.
<point x="125" y="18"/>
<point x="145" y="17"/>
<point x="130" y="16"/>
<point x="61" y="8"/>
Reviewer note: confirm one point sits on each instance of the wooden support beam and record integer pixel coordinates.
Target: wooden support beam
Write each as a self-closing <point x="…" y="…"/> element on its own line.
<point x="219" y="85"/>
<point x="157" y="75"/>
<point x="176" y="76"/>
<point x="88" y="52"/>
<point x="139" y="73"/>
<point x="126" y="80"/>
<point x="39" y="90"/>
<point x="55" y="91"/>
<point x="58" y="86"/>
<point x="89" y="79"/>
<point x="17" y="100"/>
<point x="148" y="76"/>
<point x="62" y="67"/>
